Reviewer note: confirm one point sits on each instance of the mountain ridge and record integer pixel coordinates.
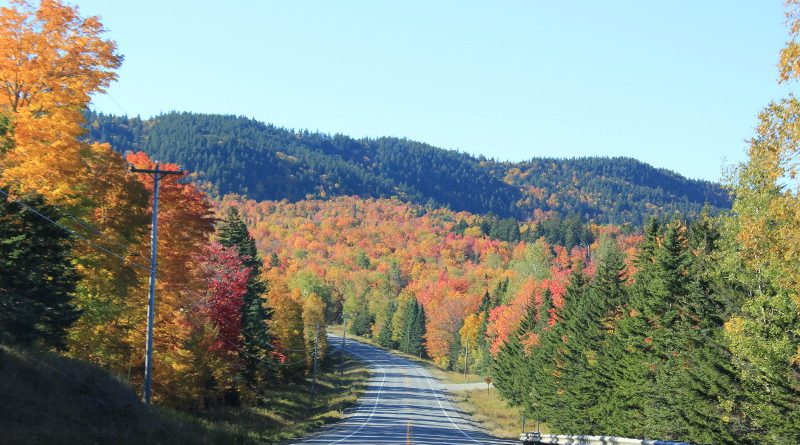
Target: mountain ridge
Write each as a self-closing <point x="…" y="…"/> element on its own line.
<point x="265" y="162"/>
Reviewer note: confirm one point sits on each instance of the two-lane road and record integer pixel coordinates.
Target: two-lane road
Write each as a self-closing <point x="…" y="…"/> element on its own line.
<point x="403" y="404"/>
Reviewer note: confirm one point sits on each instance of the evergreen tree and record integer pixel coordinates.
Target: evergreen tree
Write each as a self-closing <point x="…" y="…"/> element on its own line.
<point x="413" y="334"/>
<point x="546" y="400"/>
<point x="667" y="365"/>
<point x="456" y="348"/>
<point x="37" y="277"/>
<point x="385" y="334"/>
<point x="586" y="320"/>
<point x="418" y="331"/>
<point x="257" y="347"/>
<point x="623" y="365"/>
<point x="709" y="377"/>
<point x="483" y="361"/>
<point x="511" y="370"/>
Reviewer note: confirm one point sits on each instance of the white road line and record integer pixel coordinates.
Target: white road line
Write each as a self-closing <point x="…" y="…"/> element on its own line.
<point x="374" y="407"/>
<point x="440" y="404"/>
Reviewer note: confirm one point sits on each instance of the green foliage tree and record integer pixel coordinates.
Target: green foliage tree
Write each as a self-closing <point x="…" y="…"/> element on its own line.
<point x="385" y="335"/>
<point x="257" y="340"/>
<point x="669" y="370"/>
<point x="37" y="276"/>
<point x="413" y="332"/>
<point x="762" y="257"/>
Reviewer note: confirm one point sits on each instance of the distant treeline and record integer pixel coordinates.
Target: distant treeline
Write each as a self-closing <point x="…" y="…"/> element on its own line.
<point x="240" y="155"/>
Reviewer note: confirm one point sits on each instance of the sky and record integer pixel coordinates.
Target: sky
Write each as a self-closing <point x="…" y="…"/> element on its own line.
<point x="677" y="84"/>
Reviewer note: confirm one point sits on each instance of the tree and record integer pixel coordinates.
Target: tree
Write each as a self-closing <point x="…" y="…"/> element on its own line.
<point x="385" y="335"/>
<point x="225" y="279"/>
<point x="789" y="64"/>
<point x="232" y="232"/>
<point x="510" y="370"/>
<point x="53" y="61"/>
<point x="470" y="333"/>
<point x="314" y="331"/>
<point x="216" y="340"/>
<point x="546" y="366"/>
<point x="186" y="222"/>
<point x="413" y="333"/>
<point x="37" y="277"/>
<point x="287" y="324"/>
<point x="762" y="236"/>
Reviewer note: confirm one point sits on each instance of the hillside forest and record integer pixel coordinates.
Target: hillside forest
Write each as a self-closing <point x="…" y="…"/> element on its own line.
<point x="602" y="296"/>
<point x="243" y="156"/>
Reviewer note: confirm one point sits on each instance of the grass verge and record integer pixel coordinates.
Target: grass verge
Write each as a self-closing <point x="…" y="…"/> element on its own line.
<point x="493" y="413"/>
<point x="290" y="412"/>
<point x="49" y="399"/>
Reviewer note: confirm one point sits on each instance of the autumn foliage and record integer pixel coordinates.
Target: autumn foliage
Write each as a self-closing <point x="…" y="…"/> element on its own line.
<point x="362" y="257"/>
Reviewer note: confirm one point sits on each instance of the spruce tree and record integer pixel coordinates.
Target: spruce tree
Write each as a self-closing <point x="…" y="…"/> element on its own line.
<point x="585" y="328"/>
<point x="670" y="370"/>
<point x="257" y="340"/>
<point x="37" y="276"/>
<point x="413" y="332"/>
<point x="623" y="366"/>
<point x="710" y="376"/>
<point x="508" y="369"/>
<point x="385" y="334"/>
<point x="418" y="331"/>
<point x="514" y="366"/>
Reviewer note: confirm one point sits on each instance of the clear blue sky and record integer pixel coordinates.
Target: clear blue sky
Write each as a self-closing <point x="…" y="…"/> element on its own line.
<point x="677" y="84"/>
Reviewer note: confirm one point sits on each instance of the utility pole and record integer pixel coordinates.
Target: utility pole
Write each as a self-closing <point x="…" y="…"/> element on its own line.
<point x="344" y="336"/>
<point x="157" y="175"/>
<point x="466" y="361"/>
<point x="314" y="378"/>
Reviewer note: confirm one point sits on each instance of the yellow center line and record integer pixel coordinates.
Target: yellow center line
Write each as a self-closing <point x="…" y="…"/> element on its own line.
<point x="408" y="433"/>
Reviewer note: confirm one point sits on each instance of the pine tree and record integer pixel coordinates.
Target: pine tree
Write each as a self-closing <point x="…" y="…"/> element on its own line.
<point x="622" y="367"/>
<point x="257" y="347"/>
<point x="547" y="399"/>
<point x="418" y="331"/>
<point x="413" y="334"/>
<point x="510" y="368"/>
<point x="709" y="378"/>
<point x="585" y="330"/>
<point x="385" y="334"/>
<point x="37" y="277"/>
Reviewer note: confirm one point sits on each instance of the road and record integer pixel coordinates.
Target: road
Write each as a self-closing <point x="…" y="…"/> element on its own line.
<point x="403" y="404"/>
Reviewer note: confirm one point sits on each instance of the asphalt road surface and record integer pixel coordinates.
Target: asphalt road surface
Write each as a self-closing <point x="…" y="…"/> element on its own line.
<point x="403" y="404"/>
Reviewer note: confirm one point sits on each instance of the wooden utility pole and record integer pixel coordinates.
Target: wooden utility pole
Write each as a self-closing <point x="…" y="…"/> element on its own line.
<point x="344" y="336"/>
<point x="157" y="175"/>
<point x="314" y="377"/>
<point x="466" y="361"/>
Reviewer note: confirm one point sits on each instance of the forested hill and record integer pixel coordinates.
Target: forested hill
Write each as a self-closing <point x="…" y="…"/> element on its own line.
<point x="240" y="155"/>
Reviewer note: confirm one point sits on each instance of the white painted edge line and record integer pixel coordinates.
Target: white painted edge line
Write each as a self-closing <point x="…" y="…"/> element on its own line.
<point x="374" y="407"/>
<point x="444" y="411"/>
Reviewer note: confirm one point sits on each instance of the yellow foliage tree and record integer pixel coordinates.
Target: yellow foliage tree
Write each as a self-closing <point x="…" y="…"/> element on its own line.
<point x="287" y="325"/>
<point x="52" y="61"/>
<point x="314" y="327"/>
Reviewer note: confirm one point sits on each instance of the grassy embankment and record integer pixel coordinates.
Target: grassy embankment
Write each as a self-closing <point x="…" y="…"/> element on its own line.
<point x="48" y="399"/>
<point x="486" y="408"/>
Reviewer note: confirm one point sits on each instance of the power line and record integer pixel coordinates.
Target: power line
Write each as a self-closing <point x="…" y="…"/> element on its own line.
<point x="72" y="232"/>
<point x="63" y="212"/>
